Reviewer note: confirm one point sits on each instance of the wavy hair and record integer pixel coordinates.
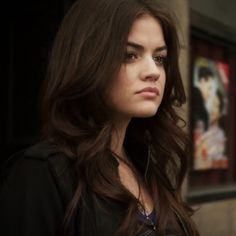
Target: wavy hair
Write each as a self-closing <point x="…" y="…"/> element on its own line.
<point x="87" y="54"/>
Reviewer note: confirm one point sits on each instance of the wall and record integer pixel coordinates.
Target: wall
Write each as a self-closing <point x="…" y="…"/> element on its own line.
<point x="180" y="9"/>
<point x="220" y="10"/>
<point x="216" y="218"/>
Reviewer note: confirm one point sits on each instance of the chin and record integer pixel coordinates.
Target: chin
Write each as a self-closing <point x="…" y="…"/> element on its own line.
<point x="146" y="113"/>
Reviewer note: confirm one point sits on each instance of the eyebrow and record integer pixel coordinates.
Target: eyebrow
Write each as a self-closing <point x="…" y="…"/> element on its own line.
<point x="141" y="48"/>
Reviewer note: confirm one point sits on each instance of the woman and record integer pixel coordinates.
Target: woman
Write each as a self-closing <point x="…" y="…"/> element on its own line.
<point x="108" y="113"/>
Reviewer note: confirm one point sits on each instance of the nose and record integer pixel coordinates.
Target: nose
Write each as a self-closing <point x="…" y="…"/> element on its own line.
<point x="149" y="70"/>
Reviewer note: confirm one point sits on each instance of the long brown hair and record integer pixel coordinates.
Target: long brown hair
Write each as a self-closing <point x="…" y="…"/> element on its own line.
<point x="87" y="54"/>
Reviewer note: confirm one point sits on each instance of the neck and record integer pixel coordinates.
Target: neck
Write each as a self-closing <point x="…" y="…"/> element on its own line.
<point x="118" y="136"/>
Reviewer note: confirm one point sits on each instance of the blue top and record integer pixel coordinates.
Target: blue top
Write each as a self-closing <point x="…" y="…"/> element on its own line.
<point x="148" y="219"/>
<point x="151" y="220"/>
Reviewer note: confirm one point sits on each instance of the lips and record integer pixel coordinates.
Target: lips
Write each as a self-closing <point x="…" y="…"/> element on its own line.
<point x="153" y="90"/>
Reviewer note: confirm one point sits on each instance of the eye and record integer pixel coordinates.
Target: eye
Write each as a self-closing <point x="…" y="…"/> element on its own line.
<point x="160" y="60"/>
<point x="130" y="56"/>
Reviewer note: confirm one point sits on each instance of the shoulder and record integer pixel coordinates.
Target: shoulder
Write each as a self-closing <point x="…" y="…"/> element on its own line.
<point x="39" y="168"/>
<point x="29" y="166"/>
<point x="30" y="195"/>
<point x="43" y="155"/>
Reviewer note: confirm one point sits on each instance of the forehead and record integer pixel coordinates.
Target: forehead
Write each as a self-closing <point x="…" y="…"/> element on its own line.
<point x="147" y="30"/>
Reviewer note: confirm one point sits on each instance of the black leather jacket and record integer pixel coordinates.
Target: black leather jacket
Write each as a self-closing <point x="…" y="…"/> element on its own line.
<point x="37" y="186"/>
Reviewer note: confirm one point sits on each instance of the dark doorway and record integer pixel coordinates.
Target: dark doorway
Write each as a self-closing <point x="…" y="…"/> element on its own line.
<point x="30" y="29"/>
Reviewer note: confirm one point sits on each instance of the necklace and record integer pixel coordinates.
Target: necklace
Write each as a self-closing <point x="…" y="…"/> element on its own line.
<point x="147" y="217"/>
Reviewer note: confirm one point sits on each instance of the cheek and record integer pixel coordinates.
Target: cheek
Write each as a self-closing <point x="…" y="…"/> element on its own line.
<point x="164" y="80"/>
<point x="123" y="81"/>
<point x="118" y="87"/>
<point x="126" y="75"/>
<point x="163" y="83"/>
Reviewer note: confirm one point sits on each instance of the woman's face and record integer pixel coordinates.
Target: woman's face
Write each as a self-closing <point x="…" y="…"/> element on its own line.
<point x="138" y="89"/>
<point x="215" y="112"/>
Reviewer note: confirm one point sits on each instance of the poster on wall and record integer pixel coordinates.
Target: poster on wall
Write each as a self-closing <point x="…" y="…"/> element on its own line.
<point x="209" y="106"/>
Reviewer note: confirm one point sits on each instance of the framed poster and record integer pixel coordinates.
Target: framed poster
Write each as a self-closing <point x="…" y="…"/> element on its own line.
<point x="212" y="118"/>
<point x="210" y="81"/>
<point x="212" y="111"/>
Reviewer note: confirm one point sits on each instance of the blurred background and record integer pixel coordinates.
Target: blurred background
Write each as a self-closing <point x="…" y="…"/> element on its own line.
<point x="207" y="31"/>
